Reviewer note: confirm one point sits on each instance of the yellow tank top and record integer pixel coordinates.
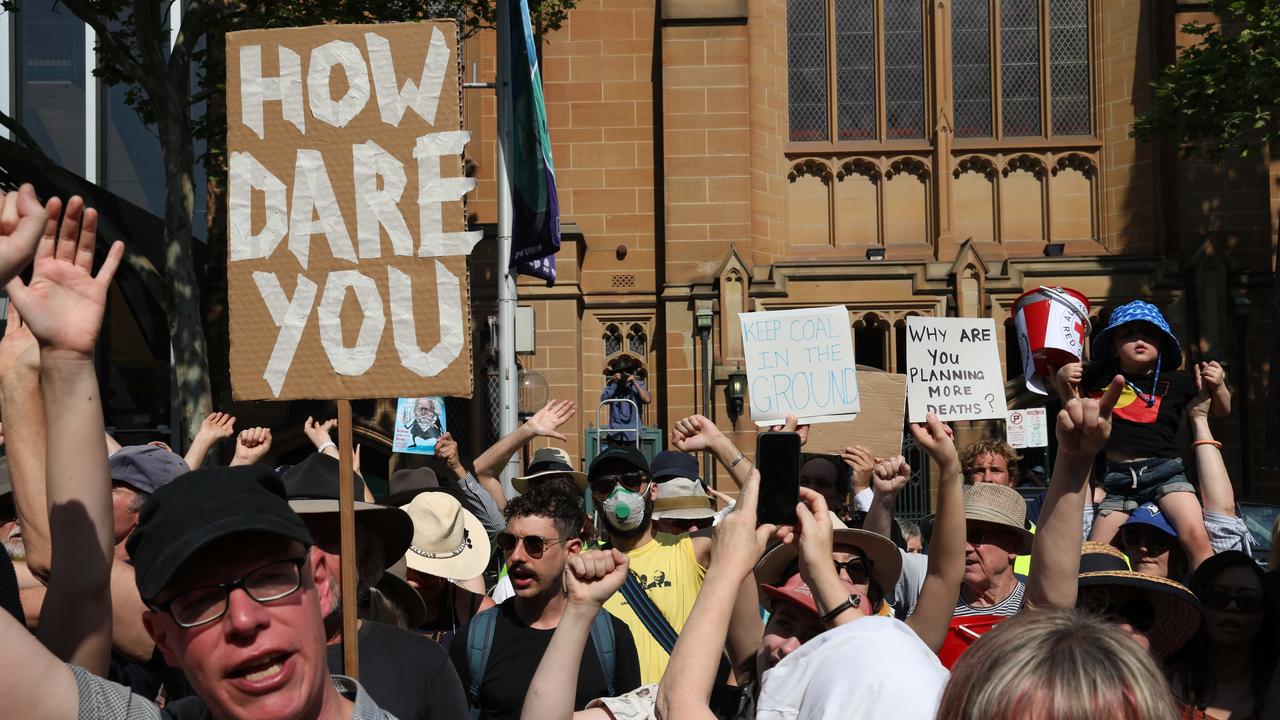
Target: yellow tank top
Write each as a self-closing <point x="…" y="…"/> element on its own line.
<point x="668" y="570"/>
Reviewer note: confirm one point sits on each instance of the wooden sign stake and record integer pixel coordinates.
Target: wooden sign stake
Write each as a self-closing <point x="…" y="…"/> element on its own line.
<point x="347" y="526"/>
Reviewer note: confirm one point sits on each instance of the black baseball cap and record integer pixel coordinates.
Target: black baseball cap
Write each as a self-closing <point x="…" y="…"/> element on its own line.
<point x="618" y="455"/>
<point x="202" y="507"/>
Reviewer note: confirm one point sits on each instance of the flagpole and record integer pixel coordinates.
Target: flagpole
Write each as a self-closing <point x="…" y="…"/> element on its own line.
<point x="508" y="381"/>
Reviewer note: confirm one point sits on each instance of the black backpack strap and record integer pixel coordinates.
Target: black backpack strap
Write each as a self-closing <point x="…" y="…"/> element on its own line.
<point x="650" y="616"/>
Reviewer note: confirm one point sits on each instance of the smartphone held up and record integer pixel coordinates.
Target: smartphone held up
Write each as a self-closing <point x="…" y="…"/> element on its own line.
<point x="778" y="462"/>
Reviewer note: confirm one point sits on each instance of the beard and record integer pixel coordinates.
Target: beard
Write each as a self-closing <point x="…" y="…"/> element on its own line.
<point x="16" y="550"/>
<point x="638" y="530"/>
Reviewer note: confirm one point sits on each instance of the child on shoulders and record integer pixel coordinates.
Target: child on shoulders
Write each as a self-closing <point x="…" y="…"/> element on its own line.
<point x="1142" y="454"/>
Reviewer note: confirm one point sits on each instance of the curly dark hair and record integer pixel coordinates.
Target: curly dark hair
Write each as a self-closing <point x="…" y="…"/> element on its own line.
<point x="549" y="500"/>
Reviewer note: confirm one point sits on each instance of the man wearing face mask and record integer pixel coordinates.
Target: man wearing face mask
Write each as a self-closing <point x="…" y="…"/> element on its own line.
<point x="666" y="571"/>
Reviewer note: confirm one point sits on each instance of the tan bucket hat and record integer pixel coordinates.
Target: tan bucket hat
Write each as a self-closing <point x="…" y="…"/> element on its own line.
<point x="448" y="541"/>
<point x="546" y="462"/>
<point x="998" y="505"/>
<point x="682" y="499"/>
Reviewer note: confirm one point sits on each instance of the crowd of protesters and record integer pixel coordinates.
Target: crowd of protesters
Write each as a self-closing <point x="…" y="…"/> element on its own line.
<point x="138" y="583"/>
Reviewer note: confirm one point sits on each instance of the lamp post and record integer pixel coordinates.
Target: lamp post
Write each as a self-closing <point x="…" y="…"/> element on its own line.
<point x="1242" y="309"/>
<point x="705" y="317"/>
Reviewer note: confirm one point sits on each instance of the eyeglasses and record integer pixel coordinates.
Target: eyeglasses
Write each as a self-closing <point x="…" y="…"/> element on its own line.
<point x="858" y="569"/>
<point x="1135" y="611"/>
<point x="633" y="481"/>
<point x="1155" y="541"/>
<point x="1221" y="599"/>
<point x="534" y="545"/>
<point x="204" y="605"/>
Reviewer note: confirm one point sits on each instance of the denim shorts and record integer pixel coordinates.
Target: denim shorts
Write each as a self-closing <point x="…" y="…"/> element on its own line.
<point x="1131" y="483"/>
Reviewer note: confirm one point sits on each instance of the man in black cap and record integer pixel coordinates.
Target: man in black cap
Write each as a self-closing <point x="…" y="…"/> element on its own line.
<point x="408" y="674"/>
<point x="236" y="597"/>
<point x="667" y="570"/>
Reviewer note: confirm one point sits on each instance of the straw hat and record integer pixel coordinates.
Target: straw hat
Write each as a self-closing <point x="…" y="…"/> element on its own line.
<point x="546" y="462"/>
<point x="1177" y="612"/>
<point x="886" y="561"/>
<point x="682" y="499"/>
<point x="998" y="505"/>
<point x="448" y="541"/>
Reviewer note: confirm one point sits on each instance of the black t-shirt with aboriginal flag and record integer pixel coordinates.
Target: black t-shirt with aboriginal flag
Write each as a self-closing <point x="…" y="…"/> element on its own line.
<point x="1145" y="423"/>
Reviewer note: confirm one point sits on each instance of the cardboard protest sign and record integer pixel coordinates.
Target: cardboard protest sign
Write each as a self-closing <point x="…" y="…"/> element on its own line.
<point x="878" y="427"/>
<point x="800" y="362"/>
<point x="953" y="369"/>
<point x="1028" y="427"/>
<point x="347" y="251"/>
<point x="419" y="424"/>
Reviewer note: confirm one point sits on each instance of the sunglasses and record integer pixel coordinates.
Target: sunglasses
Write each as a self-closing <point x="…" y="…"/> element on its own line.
<point x="1154" y="541"/>
<point x="1135" y="611"/>
<point x="633" y="481"/>
<point x="858" y="570"/>
<point x="985" y="537"/>
<point x="1220" y="600"/>
<point x="534" y="545"/>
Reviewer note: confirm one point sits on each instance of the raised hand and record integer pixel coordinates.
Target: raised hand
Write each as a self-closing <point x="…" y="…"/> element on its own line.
<point x="19" y="351"/>
<point x="318" y="432"/>
<point x="447" y="451"/>
<point x="862" y="462"/>
<point x="22" y="220"/>
<point x="252" y="445"/>
<point x="592" y="576"/>
<point x="812" y="535"/>
<point x="738" y="542"/>
<point x="694" y="433"/>
<point x="217" y="426"/>
<point x="792" y="425"/>
<point x="1084" y="424"/>
<point x="555" y="413"/>
<point x="936" y="438"/>
<point x="1197" y="408"/>
<point x="64" y="302"/>
<point x="890" y="476"/>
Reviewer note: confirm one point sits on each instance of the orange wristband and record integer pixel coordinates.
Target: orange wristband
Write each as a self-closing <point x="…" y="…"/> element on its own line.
<point x="1214" y="443"/>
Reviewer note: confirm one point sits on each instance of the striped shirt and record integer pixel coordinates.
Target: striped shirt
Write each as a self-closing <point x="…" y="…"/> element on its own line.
<point x="1008" y="607"/>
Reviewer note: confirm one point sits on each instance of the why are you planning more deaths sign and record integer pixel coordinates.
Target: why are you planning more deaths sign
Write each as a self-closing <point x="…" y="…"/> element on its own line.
<point x="953" y="369"/>
<point x="347" y="246"/>
<point x="800" y="362"/>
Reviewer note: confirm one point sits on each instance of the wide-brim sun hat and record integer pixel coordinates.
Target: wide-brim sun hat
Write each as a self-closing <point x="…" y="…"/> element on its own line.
<point x="886" y="561"/>
<point x="1177" y="611"/>
<point x="448" y="541"/>
<point x="1001" y="506"/>
<point x="682" y="499"/>
<point x="1139" y="311"/>
<point x="548" y="462"/>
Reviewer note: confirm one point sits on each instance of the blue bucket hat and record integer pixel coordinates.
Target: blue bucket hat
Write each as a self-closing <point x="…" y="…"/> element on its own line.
<point x="1139" y="311"/>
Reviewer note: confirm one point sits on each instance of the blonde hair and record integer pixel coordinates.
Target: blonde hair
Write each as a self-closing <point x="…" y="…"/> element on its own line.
<point x="1056" y="665"/>
<point x="991" y="447"/>
<point x="1273" y="555"/>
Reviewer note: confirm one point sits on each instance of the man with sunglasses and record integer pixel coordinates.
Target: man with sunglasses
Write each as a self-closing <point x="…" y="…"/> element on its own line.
<point x="498" y="651"/>
<point x="1151" y="543"/>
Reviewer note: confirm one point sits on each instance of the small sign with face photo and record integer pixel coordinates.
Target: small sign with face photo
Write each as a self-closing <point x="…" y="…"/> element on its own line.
<point x="419" y="424"/>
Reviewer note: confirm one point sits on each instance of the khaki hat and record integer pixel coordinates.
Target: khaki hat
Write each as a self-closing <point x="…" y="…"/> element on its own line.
<point x="448" y="541"/>
<point x="546" y="462"/>
<point x="682" y="499"/>
<point x="886" y="560"/>
<point x="998" y="505"/>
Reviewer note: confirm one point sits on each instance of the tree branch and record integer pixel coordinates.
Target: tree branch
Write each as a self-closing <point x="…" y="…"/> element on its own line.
<point x="106" y="40"/>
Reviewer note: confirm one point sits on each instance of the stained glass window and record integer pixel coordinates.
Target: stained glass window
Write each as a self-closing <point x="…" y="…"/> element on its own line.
<point x="971" y="67"/>
<point x="856" y="69"/>
<point x="1020" y="67"/>
<point x="903" y="69"/>
<point x="807" y="69"/>
<point x="637" y="341"/>
<point x="1069" y="66"/>
<point x="612" y="340"/>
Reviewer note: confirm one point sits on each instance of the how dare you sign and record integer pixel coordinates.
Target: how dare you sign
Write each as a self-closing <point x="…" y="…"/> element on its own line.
<point x="347" y="246"/>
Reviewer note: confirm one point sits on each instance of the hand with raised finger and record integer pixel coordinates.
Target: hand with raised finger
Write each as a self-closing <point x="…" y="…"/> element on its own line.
<point x="447" y="451"/>
<point x="793" y="425"/>
<point x="22" y="222"/>
<point x="694" y="433"/>
<point x="592" y="576"/>
<point x="547" y="421"/>
<point x="813" y="537"/>
<point x="318" y="432"/>
<point x="891" y="475"/>
<point x="1084" y="424"/>
<point x="937" y="439"/>
<point x="19" y="350"/>
<point x="64" y="302"/>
